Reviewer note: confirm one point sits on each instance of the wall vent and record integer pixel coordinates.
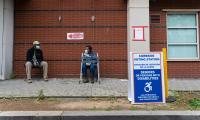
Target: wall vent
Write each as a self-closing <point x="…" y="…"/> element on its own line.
<point x="155" y="19"/>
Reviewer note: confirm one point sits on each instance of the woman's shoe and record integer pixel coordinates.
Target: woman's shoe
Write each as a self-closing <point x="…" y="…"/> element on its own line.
<point x="85" y="79"/>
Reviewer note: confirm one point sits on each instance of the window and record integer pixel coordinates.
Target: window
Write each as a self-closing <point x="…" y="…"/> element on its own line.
<point x="182" y="36"/>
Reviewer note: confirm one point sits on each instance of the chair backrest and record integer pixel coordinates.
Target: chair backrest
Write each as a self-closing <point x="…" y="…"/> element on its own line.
<point x="82" y="54"/>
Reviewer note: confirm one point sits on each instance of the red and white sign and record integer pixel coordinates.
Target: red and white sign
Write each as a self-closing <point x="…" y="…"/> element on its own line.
<point x="138" y="33"/>
<point x="75" y="36"/>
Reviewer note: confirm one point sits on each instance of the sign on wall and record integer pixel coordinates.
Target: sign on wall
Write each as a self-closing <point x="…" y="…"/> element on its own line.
<point x="75" y="36"/>
<point x="138" y="33"/>
<point x="147" y="76"/>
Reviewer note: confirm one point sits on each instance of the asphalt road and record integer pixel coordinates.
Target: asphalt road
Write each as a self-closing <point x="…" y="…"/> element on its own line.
<point x="100" y="118"/>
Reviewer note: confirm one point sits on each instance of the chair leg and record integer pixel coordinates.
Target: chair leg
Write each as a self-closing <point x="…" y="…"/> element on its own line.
<point x="99" y="80"/>
<point x="81" y="75"/>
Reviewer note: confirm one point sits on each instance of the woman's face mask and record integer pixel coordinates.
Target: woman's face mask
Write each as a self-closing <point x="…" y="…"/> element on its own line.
<point x="86" y="51"/>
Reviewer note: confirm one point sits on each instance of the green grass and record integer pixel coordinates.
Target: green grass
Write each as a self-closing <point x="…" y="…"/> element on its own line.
<point x="194" y="103"/>
<point x="41" y="95"/>
<point x="12" y="76"/>
<point x="132" y="108"/>
<point x="109" y="109"/>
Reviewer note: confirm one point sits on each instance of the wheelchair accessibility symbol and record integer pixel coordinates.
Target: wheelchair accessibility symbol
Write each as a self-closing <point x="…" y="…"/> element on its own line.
<point x="148" y="87"/>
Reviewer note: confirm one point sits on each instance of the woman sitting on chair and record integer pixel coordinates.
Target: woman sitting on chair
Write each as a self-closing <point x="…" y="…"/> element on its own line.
<point x="89" y="61"/>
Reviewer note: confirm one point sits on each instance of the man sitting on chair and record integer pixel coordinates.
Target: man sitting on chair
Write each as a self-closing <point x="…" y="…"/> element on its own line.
<point x="34" y="58"/>
<point x="89" y="62"/>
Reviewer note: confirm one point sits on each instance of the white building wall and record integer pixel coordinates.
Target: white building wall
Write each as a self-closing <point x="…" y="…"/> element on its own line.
<point x="1" y="36"/>
<point x="138" y="15"/>
<point x="7" y="37"/>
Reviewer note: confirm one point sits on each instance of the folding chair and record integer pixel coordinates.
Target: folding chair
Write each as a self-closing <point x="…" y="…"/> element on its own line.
<point x="97" y="70"/>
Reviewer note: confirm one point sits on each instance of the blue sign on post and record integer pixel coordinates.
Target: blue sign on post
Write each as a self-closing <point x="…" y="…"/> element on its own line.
<point x="148" y="79"/>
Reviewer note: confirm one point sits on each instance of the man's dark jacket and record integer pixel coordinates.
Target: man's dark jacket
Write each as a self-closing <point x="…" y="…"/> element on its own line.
<point x="38" y="54"/>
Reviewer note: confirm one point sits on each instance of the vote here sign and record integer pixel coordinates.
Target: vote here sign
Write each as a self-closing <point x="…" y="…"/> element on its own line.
<point x="148" y="78"/>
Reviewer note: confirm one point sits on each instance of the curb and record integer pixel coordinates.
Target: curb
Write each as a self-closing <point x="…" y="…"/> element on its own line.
<point x="99" y="113"/>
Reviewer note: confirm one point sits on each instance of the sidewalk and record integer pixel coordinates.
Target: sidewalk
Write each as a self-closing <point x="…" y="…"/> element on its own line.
<point x="56" y="87"/>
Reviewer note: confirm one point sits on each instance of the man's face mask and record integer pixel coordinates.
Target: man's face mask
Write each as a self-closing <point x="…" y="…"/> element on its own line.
<point x="37" y="47"/>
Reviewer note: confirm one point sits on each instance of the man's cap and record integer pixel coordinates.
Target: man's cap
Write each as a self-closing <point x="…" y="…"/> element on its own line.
<point x="36" y="42"/>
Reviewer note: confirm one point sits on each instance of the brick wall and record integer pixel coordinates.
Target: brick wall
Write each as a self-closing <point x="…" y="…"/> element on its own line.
<point x="38" y="20"/>
<point x="184" y="69"/>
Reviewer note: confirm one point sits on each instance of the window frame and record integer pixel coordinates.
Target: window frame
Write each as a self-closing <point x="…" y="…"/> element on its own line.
<point x="197" y="35"/>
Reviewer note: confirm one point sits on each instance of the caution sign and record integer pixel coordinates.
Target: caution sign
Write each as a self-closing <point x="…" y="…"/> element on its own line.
<point x="148" y="78"/>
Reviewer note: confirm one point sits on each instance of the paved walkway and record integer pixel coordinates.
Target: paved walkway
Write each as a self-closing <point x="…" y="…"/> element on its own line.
<point x="71" y="88"/>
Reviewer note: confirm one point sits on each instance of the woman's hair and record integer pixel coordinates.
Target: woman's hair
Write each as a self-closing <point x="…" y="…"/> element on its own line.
<point x="90" y="48"/>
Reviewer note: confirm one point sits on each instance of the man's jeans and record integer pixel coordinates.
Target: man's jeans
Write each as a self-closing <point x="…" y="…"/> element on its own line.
<point x="43" y="64"/>
<point x="92" y="70"/>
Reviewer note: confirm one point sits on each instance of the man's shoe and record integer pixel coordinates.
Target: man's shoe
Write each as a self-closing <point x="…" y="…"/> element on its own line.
<point x="45" y="79"/>
<point x="85" y="81"/>
<point x="29" y="81"/>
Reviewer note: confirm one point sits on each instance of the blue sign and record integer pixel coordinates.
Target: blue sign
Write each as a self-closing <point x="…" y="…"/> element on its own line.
<point x="148" y="78"/>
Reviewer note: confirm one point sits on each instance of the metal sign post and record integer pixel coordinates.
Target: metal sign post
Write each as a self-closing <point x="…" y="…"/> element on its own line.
<point x="147" y="78"/>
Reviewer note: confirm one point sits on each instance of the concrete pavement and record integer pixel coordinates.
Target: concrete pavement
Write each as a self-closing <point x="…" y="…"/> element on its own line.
<point x="71" y="88"/>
